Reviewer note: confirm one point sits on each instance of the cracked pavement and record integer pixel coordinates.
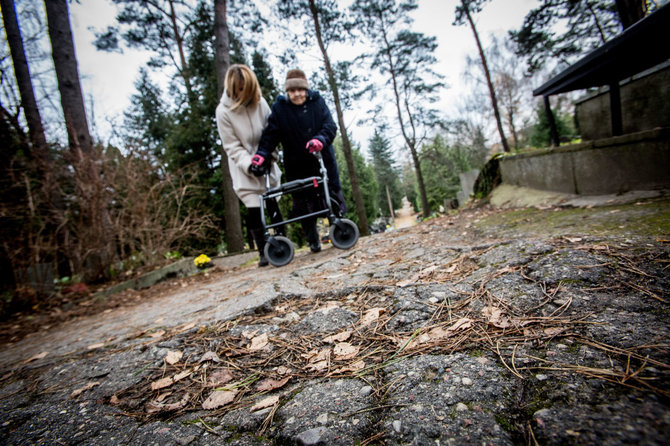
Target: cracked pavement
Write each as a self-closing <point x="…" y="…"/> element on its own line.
<point x="521" y="326"/>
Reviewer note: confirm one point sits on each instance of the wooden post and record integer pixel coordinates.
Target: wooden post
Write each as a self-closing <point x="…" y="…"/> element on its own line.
<point x="615" y="108"/>
<point x="388" y="197"/>
<point x="553" y="131"/>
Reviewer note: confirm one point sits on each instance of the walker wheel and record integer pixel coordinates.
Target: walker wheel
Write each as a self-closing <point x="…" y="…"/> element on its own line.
<point x="279" y="250"/>
<point x="344" y="234"/>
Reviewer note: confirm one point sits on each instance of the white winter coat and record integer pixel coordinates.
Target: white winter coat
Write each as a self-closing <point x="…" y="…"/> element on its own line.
<point x="240" y="131"/>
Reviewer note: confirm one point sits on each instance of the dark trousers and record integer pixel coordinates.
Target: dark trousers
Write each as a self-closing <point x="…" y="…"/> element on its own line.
<point x="254" y="216"/>
<point x="311" y="233"/>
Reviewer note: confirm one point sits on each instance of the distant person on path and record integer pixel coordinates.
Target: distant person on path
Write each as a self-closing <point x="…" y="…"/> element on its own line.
<point x="241" y="116"/>
<point x="303" y="125"/>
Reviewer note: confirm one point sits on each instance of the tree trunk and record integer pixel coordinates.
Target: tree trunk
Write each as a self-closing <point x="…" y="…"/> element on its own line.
<point x="24" y="82"/>
<point x="55" y="219"/>
<point x="221" y="43"/>
<point x="95" y="249"/>
<point x="411" y="142"/>
<point x="67" y="73"/>
<point x="184" y="70"/>
<point x="630" y="11"/>
<point x="492" y="93"/>
<point x="419" y="179"/>
<point x="346" y="144"/>
<point x="233" y="230"/>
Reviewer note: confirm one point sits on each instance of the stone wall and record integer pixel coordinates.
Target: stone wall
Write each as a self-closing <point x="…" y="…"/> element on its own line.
<point x="467" y="184"/>
<point x="645" y="105"/>
<point x="639" y="161"/>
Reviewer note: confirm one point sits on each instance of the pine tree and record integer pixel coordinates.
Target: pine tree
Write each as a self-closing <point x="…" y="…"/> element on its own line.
<point x="464" y="13"/>
<point x="404" y="58"/>
<point x="386" y="173"/>
<point x="266" y="80"/>
<point x="564" y="30"/>
<point x="25" y="84"/>
<point x="147" y="122"/>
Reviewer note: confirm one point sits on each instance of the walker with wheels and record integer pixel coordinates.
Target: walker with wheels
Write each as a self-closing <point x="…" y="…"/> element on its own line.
<point x="343" y="232"/>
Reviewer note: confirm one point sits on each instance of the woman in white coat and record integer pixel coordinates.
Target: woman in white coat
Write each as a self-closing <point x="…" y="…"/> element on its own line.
<point x="241" y="117"/>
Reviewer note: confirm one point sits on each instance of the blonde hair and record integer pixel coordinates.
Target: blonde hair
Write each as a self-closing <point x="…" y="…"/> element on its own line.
<point x="241" y="76"/>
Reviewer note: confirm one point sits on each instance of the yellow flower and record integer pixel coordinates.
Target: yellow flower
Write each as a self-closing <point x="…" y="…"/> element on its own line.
<point x="201" y="261"/>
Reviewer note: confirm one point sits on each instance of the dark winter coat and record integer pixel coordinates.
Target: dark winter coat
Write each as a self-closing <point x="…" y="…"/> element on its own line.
<point x="293" y="126"/>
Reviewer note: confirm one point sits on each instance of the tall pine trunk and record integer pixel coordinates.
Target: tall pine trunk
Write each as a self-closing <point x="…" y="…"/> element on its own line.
<point x="487" y="74"/>
<point x="94" y="252"/>
<point x="25" y="84"/>
<point x="233" y="230"/>
<point x="184" y="71"/>
<point x="55" y="213"/>
<point x="346" y="144"/>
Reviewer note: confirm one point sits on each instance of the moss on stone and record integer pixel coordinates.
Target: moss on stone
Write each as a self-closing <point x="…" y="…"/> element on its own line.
<point x="651" y="219"/>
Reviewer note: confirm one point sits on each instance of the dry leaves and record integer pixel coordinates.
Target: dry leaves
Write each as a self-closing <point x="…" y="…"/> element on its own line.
<point x="210" y="356"/>
<point x="344" y="351"/>
<point x="283" y="370"/>
<point x="156" y="406"/>
<point x="418" y="276"/>
<point x="77" y="392"/>
<point x="319" y="360"/>
<point x="317" y="355"/>
<point x="173" y="356"/>
<point x="339" y="337"/>
<point x="370" y="317"/>
<point x="475" y="317"/>
<point x="495" y="317"/>
<point x="319" y="366"/>
<point x="186" y="327"/>
<point x="36" y="357"/>
<point x="157" y="334"/>
<point x="219" y="378"/>
<point x="553" y="331"/>
<point x="167" y="382"/>
<point x="436" y="334"/>
<point x="219" y="398"/>
<point x="271" y="384"/>
<point x="267" y="402"/>
<point x="355" y="367"/>
<point x="259" y="342"/>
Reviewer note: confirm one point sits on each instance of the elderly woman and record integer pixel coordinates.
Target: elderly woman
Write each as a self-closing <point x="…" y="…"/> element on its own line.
<point x="241" y="116"/>
<point x="302" y="124"/>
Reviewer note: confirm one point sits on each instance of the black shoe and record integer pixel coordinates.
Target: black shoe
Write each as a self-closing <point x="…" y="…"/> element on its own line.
<point x="263" y="261"/>
<point x="315" y="247"/>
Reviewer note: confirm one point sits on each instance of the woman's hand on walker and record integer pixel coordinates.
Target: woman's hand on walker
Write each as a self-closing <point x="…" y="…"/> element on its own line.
<point x="257" y="165"/>
<point x="314" y="145"/>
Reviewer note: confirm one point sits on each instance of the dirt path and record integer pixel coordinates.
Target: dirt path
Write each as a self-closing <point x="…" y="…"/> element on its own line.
<point x="405" y="216"/>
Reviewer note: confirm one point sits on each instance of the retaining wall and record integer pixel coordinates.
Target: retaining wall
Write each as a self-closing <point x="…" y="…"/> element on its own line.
<point x="638" y="161"/>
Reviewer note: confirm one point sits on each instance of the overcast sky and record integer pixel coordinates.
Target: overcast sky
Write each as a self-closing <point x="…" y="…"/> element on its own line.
<point x="109" y="77"/>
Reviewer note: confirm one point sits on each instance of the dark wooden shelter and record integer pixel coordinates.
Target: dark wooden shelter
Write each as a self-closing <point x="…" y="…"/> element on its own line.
<point x="640" y="47"/>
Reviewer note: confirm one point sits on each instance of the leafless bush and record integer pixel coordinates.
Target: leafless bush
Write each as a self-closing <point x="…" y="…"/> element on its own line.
<point x="93" y="211"/>
<point x="152" y="210"/>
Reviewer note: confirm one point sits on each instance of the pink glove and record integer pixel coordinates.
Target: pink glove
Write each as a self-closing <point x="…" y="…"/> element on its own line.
<point x="314" y="145"/>
<point x="257" y="168"/>
<point x="257" y="160"/>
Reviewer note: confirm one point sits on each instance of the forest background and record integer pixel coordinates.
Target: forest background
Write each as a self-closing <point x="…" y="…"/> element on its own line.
<point x="83" y="204"/>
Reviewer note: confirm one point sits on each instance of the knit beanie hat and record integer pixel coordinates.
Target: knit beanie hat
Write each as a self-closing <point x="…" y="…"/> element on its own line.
<point x="296" y="79"/>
